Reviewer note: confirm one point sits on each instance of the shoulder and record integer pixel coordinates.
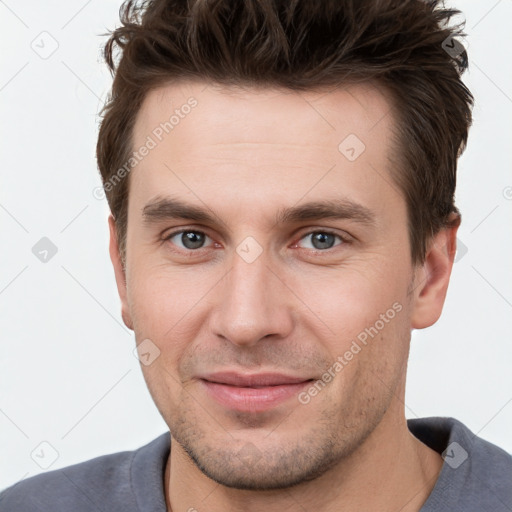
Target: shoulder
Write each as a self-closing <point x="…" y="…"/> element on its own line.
<point x="79" y="487"/>
<point x="476" y="474"/>
<point x="102" y="483"/>
<point x="490" y="470"/>
<point x="458" y="445"/>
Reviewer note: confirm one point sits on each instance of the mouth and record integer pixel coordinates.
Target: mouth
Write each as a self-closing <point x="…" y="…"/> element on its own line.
<point x="252" y="393"/>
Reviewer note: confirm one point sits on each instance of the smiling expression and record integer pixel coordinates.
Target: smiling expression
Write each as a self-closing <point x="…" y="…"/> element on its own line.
<point x="265" y="234"/>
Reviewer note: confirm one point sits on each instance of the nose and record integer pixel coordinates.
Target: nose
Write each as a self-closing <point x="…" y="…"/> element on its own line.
<point x="253" y="303"/>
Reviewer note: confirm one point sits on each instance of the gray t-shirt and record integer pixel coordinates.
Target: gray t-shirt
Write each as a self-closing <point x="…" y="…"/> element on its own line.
<point x="476" y="477"/>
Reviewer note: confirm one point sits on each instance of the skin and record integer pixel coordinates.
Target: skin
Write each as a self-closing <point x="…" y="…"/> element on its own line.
<point x="244" y="155"/>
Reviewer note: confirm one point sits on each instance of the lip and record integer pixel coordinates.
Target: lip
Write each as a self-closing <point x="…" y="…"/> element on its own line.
<point x="252" y="380"/>
<point x="252" y="393"/>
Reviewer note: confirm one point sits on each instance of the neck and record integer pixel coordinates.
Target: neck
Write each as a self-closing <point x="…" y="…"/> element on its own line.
<point x="391" y="470"/>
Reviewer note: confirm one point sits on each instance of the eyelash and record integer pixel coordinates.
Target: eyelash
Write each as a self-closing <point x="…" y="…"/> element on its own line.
<point x="344" y="240"/>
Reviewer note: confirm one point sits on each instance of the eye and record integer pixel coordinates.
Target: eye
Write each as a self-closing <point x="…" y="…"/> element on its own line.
<point x="321" y="240"/>
<point x="192" y="240"/>
<point x="189" y="239"/>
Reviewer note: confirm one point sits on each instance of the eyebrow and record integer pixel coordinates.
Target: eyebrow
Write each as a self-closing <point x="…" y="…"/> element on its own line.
<point x="168" y="208"/>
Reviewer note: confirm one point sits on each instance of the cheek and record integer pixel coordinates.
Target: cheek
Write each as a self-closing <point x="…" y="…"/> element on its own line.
<point x="366" y="313"/>
<point x="353" y="299"/>
<point x="160" y="302"/>
<point x="162" y="305"/>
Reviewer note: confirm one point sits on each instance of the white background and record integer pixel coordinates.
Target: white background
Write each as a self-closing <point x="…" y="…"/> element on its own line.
<point x="68" y="376"/>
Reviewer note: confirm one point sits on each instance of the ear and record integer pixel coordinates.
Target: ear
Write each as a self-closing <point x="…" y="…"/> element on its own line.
<point x="433" y="276"/>
<point x="119" y="273"/>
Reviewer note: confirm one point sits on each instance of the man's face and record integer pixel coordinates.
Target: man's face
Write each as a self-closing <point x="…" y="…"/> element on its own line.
<point x="250" y="291"/>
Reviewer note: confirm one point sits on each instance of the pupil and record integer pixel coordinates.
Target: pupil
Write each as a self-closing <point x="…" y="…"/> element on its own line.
<point x="325" y="240"/>
<point x="192" y="240"/>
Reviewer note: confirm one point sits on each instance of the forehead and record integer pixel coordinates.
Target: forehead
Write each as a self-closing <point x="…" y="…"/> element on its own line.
<point x="257" y="114"/>
<point x="260" y="144"/>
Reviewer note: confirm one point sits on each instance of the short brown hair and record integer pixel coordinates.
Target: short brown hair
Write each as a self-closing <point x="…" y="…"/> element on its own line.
<point x="403" y="45"/>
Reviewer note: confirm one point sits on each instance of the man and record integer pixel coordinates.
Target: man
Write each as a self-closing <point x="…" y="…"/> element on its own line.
<point x="281" y="180"/>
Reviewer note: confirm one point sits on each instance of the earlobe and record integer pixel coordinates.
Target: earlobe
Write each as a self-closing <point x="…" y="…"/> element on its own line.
<point x="119" y="272"/>
<point x="432" y="278"/>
